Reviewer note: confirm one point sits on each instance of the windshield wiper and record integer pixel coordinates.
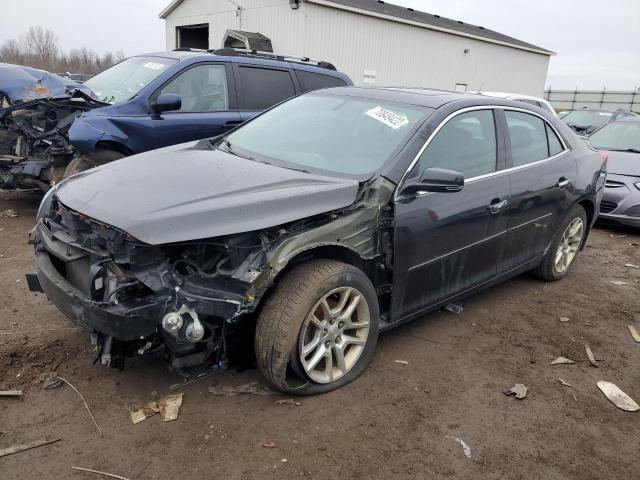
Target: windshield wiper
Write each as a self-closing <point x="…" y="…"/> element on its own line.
<point x="229" y="148"/>
<point x="631" y="150"/>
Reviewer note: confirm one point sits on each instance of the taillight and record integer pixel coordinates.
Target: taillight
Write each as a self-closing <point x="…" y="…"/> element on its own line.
<point x="605" y="157"/>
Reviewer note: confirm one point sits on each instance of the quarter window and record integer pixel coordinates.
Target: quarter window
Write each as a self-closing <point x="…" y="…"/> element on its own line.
<point x="528" y="138"/>
<point x="466" y="144"/>
<point x="202" y="89"/>
<point x="262" y="88"/>
<point x="555" y="146"/>
<point x="315" y="81"/>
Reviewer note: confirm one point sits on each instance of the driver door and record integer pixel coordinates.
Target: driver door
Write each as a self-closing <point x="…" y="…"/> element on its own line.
<point x="208" y="107"/>
<point x="448" y="243"/>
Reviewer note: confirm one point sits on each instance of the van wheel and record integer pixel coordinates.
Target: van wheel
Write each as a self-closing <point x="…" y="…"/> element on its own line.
<point x="319" y="329"/>
<point x="85" y="162"/>
<point x="565" y="246"/>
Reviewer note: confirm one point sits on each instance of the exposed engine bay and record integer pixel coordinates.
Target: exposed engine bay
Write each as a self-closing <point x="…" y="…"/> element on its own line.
<point x="34" y="142"/>
<point x="184" y="299"/>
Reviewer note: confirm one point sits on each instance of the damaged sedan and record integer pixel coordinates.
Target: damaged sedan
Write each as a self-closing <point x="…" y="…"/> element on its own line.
<point x="324" y="221"/>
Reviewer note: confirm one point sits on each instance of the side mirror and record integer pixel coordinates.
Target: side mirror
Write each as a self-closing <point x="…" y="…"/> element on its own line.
<point x="436" y="180"/>
<point x="165" y="103"/>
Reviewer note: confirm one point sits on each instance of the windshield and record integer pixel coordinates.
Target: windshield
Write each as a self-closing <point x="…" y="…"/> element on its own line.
<point x="587" y="117"/>
<point x="345" y="135"/>
<point x="617" y="136"/>
<point x="127" y="78"/>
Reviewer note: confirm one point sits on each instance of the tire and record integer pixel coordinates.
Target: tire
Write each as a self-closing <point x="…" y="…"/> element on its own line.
<point x="85" y="162"/>
<point x="548" y="269"/>
<point x="286" y="320"/>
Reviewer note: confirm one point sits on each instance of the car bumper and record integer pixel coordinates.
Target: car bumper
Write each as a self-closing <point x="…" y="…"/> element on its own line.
<point x="621" y="219"/>
<point x="621" y="201"/>
<point x="125" y="322"/>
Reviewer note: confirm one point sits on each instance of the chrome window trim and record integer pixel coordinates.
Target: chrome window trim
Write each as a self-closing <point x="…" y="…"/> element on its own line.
<point x="486" y="175"/>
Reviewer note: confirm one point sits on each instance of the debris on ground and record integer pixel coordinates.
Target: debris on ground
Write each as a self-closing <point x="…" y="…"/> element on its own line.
<point x="98" y="472"/>
<point x="562" y="361"/>
<point x="269" y="445"/>
<point x="402" y="362"/>
<point x="565" y="383"/>
<point x="9" y="213"/>
<point x="289" y="401"/>
<point x="253" y="388"/>
<point x="618" y="397"/>
<point x="190" y="381"/>
<point x="454" y="308"/>
<point x="618" y="282"/>
<point x="85" y="404"/>
<point x="168" y="407"/>
<point x="592" y="359"/>
<point x="519" y="390"/>
<point x="465" y="447"/>
<point x="634" y="333"/>
<point x="52" y="383"/>
<point x="631" y="265"/>
<point x="10" y="393"/>
<point x="26" y="446"/>
<point x="564" y="319"/>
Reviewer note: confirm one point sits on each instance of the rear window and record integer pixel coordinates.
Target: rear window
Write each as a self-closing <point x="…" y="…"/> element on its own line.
<point x="315" y="81"/>
<point x="263" y="87"/>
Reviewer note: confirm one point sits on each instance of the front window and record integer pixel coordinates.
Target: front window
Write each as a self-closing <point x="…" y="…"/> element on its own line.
<point x="617" y="136"/>
<point x="587" y="117"/>
<point x="344" y="135"/>
<point x="125" y="79"/>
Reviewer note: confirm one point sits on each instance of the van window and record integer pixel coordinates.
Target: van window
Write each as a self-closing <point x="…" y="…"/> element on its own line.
<point x="310" y="81"/>
<point x="202" y="89"/>
<point x="263" y="87"/>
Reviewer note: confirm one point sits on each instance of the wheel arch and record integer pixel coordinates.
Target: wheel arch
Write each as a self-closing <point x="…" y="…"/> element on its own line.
<point x="590" y="209"/>
<point x="115" y="146"/>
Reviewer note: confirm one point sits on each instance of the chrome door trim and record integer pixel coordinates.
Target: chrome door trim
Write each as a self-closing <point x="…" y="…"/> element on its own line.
<point x="397" y="196"/>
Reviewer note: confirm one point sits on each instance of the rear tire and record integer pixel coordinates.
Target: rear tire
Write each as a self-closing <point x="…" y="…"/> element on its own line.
<point x="85" y="162"/>
<point x="564" y="247"/>
<point x="310" y="306"/>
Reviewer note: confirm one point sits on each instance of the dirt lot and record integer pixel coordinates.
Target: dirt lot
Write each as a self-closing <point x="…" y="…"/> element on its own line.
<point x="397" y="421"/>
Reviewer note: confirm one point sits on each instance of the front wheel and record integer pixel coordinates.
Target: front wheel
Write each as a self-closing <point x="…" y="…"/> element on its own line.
<point x="319" y="329"/>
<point x="565" y="245"/>
<point x="85" y="162"/>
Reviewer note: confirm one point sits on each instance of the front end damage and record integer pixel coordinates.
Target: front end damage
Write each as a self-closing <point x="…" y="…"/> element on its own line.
<point x="184" y="299"/>
<point x="34" y="141"/>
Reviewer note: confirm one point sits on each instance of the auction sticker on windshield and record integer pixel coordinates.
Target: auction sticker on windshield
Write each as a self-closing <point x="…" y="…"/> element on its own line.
<point x="389" y="118"/>
<point x="153" y="65"/>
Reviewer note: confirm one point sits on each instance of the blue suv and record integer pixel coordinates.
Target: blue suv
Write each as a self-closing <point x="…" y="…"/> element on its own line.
<point x="161" y="99"/>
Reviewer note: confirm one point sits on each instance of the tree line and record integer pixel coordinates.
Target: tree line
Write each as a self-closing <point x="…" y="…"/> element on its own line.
<point x="39" y="48"/>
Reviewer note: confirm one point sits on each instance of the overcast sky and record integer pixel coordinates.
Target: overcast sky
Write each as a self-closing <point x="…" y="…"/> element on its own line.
<point x="596" y="40"/>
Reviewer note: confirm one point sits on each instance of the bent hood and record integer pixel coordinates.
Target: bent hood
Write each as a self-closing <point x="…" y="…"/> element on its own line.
<point x="192" y="191"/>
<point x="20" y="83"/>
<point x="623" y="163"/>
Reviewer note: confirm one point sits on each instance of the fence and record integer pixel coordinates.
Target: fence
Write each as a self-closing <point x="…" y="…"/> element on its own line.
<point x="572" y="99"/>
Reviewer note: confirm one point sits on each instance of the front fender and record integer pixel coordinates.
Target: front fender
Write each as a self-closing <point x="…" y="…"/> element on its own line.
<point x="86" y="132"/>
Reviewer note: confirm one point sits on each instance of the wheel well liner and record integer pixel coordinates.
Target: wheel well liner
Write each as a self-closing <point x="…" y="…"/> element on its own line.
<point x="110" y="145"/>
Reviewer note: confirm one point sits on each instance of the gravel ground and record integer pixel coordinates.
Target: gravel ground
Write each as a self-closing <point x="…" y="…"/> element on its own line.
<point x="397" y="421"/>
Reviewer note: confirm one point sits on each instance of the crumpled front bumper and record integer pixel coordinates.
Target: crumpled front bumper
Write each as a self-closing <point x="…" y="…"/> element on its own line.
<point x="125" y="322"/>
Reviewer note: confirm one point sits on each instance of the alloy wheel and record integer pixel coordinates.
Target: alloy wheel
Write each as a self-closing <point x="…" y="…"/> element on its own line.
<point x="334" y="334"/>
<point x="569" y="245"/>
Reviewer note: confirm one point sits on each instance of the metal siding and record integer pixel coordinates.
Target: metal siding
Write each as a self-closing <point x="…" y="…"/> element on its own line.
<point x="401" y="55"/>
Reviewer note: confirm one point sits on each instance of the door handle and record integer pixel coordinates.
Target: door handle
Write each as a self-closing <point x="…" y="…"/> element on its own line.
<point x="496" y="205"/>
<point x="563" y="182"/>
<point x="232" y="123"/>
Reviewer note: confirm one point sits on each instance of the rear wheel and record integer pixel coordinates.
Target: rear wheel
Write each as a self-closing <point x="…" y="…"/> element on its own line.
<point x="85" y="162"/>
<point x="565" y="246"/>
<point x="319" y="329"/>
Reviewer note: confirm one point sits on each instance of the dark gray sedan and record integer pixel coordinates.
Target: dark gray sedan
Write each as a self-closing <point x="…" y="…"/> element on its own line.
<point x="327" y="219"/>
<point x="621" y="141"/>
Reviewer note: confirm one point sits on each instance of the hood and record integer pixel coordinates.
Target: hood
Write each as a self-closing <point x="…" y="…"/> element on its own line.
<point x="623" y="163"/>
<point x="20" y="84"/>
<point x="193" y="191"/>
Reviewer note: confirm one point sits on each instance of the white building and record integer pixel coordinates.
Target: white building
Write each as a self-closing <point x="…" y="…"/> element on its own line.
<point x="374" y="42"/>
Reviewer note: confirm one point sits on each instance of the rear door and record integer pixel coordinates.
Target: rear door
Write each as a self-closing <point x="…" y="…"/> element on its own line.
<point x="541" y="173"/>
<point x="260" y="87"/>
<point x="446" y="243"/>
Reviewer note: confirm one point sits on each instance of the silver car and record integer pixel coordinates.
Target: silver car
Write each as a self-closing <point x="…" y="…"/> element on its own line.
<point x="620" y="140"/>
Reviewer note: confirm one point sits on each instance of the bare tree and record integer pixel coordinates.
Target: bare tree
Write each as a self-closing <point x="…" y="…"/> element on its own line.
<point x="39" y="48"/>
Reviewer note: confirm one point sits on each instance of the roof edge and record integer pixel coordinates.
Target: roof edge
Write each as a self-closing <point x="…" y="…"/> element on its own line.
<point x="339" y="6"/>
<point x="169" y="8"/>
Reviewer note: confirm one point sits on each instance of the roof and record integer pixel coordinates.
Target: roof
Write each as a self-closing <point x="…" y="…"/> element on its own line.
<point x="389" y="11"/>
<point x="435" y="22"/>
